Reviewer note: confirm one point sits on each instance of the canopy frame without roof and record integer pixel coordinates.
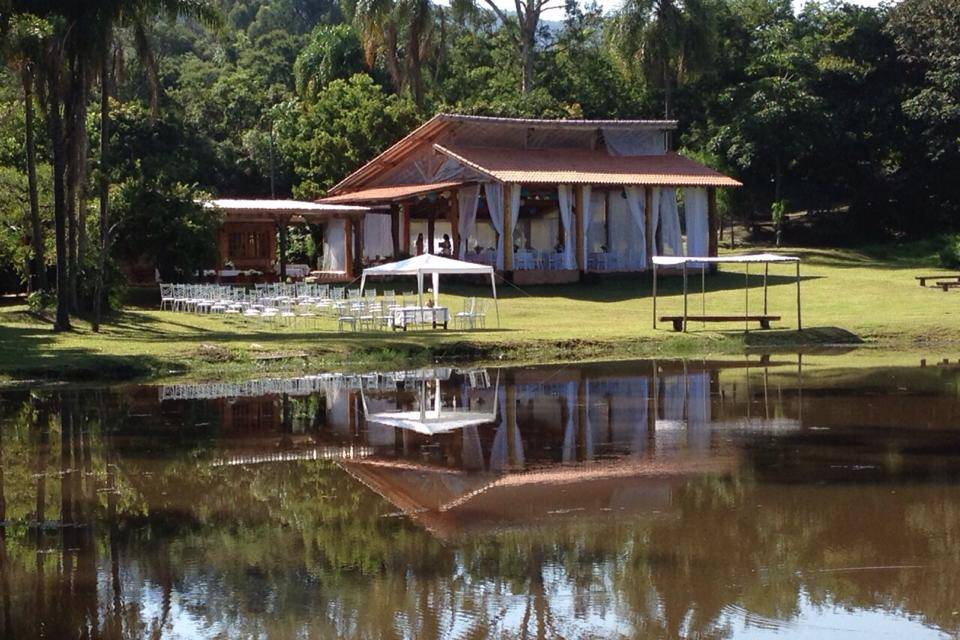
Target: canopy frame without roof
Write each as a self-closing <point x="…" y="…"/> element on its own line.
<point x="433" y="265"/>
<point x="766" y="259"/>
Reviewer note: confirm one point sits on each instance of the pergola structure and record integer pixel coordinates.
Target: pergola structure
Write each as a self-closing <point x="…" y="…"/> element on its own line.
<point x="541" y="200"/>
<point x="253" y="235"/>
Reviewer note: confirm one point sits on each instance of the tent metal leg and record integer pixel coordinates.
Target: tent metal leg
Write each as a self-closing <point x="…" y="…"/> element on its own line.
<point x="799" y="321"/>
<point x="746" y="297"/>
<point x="766" y="272"/>
<point x="654" y="295"/>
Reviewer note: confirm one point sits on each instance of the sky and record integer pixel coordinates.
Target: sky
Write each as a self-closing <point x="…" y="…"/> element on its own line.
<point x="612" y="5"/>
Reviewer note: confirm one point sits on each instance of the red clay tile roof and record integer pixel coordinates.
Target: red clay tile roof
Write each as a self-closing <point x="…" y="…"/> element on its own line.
<point x="374" y="195"/>
<point x="585" y="166"/>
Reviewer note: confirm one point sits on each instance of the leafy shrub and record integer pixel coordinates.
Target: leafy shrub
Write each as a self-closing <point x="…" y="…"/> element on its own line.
<point x="950" y="253"/>
<point x="40" y="301"/>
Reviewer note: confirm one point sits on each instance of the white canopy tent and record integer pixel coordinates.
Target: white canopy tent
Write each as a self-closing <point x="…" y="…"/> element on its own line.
<point x="433" y="265"/>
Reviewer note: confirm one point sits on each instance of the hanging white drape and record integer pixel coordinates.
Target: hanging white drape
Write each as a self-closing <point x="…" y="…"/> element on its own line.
<point x="586" y="217"/>
<point x="334" y="246"/>
<point x="514" y="208"/>
<point x="698" y="228"/>
<point x="670" y="221"/>
<point x="377" y="236"/>
<point x="467" y="198"/>
<point x="494" y="194"/>
<point x="654" y="216"/>
<point x="636" y="204"/>
<point x="565" y="198"/>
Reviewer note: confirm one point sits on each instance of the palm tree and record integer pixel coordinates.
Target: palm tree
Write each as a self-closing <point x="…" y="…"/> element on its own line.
<point x="402" y="32"/>
<point x="133" y="13"/>
<point x="23" y="50"/>
<point x="670" y="39"/>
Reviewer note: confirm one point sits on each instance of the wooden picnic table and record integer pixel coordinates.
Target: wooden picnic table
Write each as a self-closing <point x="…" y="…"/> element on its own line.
<point x="943" y="276"/>
<point x="763" y="319"/>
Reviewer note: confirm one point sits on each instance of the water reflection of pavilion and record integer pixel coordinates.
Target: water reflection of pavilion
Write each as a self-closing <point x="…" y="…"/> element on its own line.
<point x="460" y="448"/>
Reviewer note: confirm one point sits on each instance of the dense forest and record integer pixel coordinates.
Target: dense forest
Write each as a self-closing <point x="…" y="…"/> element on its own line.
<point x="117" y="115"/>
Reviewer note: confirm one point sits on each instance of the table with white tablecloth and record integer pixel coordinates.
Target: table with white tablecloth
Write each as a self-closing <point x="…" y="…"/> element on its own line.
<point x="402" y="317"/>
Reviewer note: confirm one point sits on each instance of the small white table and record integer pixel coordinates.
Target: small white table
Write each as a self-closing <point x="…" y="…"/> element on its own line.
<point x="401" y="317"/>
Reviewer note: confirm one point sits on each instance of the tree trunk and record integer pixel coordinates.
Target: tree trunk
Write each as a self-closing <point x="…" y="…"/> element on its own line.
<point x="39" y="276"/>
<point x="72" y="109"/>
<point x="528" y="40"/>
<point x="390" y="55"/>
<point x="55" y="125"/>
<point x="667" y="92"/>
<point x="104" y="182"/>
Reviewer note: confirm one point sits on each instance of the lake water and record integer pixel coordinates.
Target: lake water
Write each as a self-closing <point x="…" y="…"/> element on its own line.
<point x="746" y="498"/>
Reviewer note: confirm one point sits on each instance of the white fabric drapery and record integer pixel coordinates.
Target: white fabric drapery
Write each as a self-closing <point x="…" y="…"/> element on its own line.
<point x="494" y="194"/>
<point x="514" y="208"/>
<point x="467" y="198"/>
<point x="377" y="236"/>
<point x="334" y="246"/>
<point x="654" y="216"/>
<point x="695" y="214"/>
<point x="670" y="234"/>
<point x="565" y="198"/>
<point x="586" y="217"/>
<point x="636" y="204"/>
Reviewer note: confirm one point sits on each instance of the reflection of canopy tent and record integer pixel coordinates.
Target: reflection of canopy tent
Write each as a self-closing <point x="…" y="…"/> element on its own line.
<point x="701" y="262"/>
<point x="429" y="264"/>
<point x="431" y="421"/>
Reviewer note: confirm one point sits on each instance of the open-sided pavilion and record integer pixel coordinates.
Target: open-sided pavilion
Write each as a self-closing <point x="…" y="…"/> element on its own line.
<point x="540" y="200"/>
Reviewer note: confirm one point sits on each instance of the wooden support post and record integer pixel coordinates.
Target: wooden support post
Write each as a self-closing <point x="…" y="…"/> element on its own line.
<point x="395" y="213"/>
<point x="654" y="296"/>
<point x="648" y="220"/>
<point x="746" y="295"/>
<point x="684" y="297"/>
<point x="282" y="222"/>
<point x="578" y="221"/>
<point x="766" y="273"/>
<point x="405" y="228"/>
<point x="507" y="230"/>
<point x="453" y="215"/>
<point x="348" y="248"/>
<point x="431" y="232"/>
<point x="799" y="321"/>
<point x="358" y="247"/>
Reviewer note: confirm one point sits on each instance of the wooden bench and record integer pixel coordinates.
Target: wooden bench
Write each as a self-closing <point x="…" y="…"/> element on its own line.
<point x="946" y="285"/>
<point x="942" y="276"/>
<point x="677" y="321"/>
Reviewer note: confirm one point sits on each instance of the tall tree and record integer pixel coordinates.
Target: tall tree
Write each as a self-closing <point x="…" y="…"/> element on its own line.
<point x="523" y="26"/>
<point x="23" y="53"/>
<point x="668" y="39"/>
<point x="401" y="31"/>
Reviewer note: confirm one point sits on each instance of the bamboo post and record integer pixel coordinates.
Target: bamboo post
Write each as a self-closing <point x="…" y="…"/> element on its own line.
<point x="684" y="297"/>
<point x="746" y="297"/>
<point x="654" y="295"/>
<point x="799" y="322"/>
<point x="703" y="292"/>
<point x="405" y="228"/>
<point x="766" y="272"/>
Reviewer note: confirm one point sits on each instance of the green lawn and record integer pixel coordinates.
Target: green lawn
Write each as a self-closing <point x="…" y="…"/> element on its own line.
<point x="848" y="296"/>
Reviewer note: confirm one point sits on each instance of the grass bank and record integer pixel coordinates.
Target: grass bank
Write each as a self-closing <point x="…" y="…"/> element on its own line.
<point x="867" y="296"/>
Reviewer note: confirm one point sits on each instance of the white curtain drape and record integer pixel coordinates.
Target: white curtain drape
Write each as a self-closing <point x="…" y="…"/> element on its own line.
<point x="514" y="208"/>
<point x="494" y="194"/>
<point x="565" y="198"/>
<point x="655" y="216"/>
<point x="377" y="236"/>
<point x="636" y="204"/>
<point x="334" y="246"/>
<point x="586" y="217"/>
<point x="698" y="229"/>
<point x="467" y="203"/>
<point x="670" y="219"/>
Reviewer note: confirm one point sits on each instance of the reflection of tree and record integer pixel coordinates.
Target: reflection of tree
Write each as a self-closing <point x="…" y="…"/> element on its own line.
<point x="300" y="549"/>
